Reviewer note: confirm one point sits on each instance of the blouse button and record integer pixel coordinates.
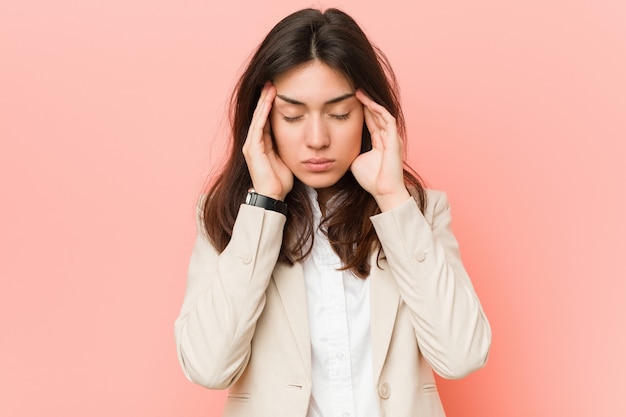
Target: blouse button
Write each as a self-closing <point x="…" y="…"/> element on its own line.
<point x="246" y="258"/>
<point x="384" y="390"/>
<point x="420" y="256"/>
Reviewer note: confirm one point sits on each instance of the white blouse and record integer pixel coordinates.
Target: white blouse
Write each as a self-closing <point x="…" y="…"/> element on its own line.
<point x="339" y="320"/>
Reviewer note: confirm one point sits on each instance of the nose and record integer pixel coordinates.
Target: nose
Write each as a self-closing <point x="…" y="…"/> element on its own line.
<point x="317" y="133"/>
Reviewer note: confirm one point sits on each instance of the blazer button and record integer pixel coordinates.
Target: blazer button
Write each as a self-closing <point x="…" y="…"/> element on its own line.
<point x="420" y="256"/>
<point x="384" y="390"/>
<point x="246" y="258"/>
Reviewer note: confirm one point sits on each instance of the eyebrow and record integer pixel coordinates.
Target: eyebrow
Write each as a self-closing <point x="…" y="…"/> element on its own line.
<point x="331" y="101"/>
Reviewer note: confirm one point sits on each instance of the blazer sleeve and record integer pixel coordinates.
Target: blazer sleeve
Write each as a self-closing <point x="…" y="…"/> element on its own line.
<point x="225" y="296"/>
<point x="451" y="328"/>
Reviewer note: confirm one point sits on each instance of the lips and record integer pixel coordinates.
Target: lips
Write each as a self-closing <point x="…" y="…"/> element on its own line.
<point x="318" y="164"/>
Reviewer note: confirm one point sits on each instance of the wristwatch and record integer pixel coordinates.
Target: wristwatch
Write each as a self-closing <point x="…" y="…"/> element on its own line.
<point x="268" y="203"/>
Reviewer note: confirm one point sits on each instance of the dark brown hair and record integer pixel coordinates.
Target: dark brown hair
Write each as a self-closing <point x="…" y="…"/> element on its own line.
<point x="333" y="38"/>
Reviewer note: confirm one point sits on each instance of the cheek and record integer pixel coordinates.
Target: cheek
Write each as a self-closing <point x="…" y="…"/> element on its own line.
<point x="284" y="138"/>
<point x="278" y="132"/>
<point x="355" y="133"/>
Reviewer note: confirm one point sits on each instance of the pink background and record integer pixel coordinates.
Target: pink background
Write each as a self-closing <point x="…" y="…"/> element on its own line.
<point x="108" y="113"/>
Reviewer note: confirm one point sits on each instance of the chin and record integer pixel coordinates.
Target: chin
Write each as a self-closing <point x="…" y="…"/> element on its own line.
<point x="320" y="180"/>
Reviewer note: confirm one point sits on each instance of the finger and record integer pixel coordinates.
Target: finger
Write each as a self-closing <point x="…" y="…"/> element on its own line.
<point x="268" y="146"/>
<point x="380" y="114"/>
<point x="259" y="104"/>
<point x="269" y="100"/>
<point x="380" y="123"/>
<point x="362" y="97"/>
<point x="255" y="117"/>
<point x="373" y="128"/>
<point x="375" y="121"/>
<point x="368" y="102"/>
<point x="263" y="105"/>
<point x="261" y="113"/>
<point x="371" y="120"/>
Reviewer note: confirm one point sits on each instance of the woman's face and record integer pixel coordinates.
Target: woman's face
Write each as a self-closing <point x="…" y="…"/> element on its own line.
<point x="317" y="123"/>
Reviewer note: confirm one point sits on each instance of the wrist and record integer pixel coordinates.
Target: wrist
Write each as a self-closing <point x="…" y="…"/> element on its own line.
<point x="267" y="202"/>
<point x="264" y="191"/>
<point x="387" y="202"/>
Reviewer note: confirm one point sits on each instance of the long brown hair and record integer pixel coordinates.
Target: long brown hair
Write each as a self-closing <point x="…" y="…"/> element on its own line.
<point x="335" y="39"/>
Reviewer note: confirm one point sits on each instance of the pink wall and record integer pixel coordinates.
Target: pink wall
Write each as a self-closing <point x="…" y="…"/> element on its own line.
<point x="107" y="111"/>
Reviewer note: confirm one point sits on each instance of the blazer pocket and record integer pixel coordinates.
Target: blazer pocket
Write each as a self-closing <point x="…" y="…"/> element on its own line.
<point x="429" y="388"/>
<point x="239" y="396"/>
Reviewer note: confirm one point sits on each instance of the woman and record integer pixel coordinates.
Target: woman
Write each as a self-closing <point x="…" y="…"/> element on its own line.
<point x="325" y="280"/>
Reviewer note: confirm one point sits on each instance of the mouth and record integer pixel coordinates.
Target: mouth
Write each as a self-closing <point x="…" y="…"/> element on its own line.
<point x="318" y="164"/>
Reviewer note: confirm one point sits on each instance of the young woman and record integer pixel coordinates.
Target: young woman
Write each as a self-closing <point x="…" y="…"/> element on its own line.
<point x="325" y="280"/>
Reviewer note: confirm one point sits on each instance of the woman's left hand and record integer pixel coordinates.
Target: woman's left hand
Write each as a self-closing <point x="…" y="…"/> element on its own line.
<point x="380" y="170"/>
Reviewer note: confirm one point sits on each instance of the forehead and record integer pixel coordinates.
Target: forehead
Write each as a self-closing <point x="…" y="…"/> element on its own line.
<point x="313" y="82"/>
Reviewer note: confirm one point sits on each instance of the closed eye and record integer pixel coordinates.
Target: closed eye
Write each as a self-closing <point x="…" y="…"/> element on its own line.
<point x="341" y="116"/>
<point x="291" y="119"/>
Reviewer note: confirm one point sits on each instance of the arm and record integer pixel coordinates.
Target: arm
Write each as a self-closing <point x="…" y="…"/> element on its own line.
<point x="226" y="292"/>
<point x="451" y="328"/>
<point x="225" y="296"/>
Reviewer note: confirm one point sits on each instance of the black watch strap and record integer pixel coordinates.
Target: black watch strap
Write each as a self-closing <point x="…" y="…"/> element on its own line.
<point x="268" y="203"/>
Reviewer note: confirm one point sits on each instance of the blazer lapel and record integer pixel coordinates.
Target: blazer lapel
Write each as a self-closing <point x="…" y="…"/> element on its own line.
<point x="384" y="301"/>
<point x="290" y="284"/>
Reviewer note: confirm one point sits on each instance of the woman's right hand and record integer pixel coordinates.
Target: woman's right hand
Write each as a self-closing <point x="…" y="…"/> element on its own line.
<point x="270" y="176"/>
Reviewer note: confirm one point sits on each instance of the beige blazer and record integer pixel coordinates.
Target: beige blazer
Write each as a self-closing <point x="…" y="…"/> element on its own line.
<point x="244" y="321"/>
